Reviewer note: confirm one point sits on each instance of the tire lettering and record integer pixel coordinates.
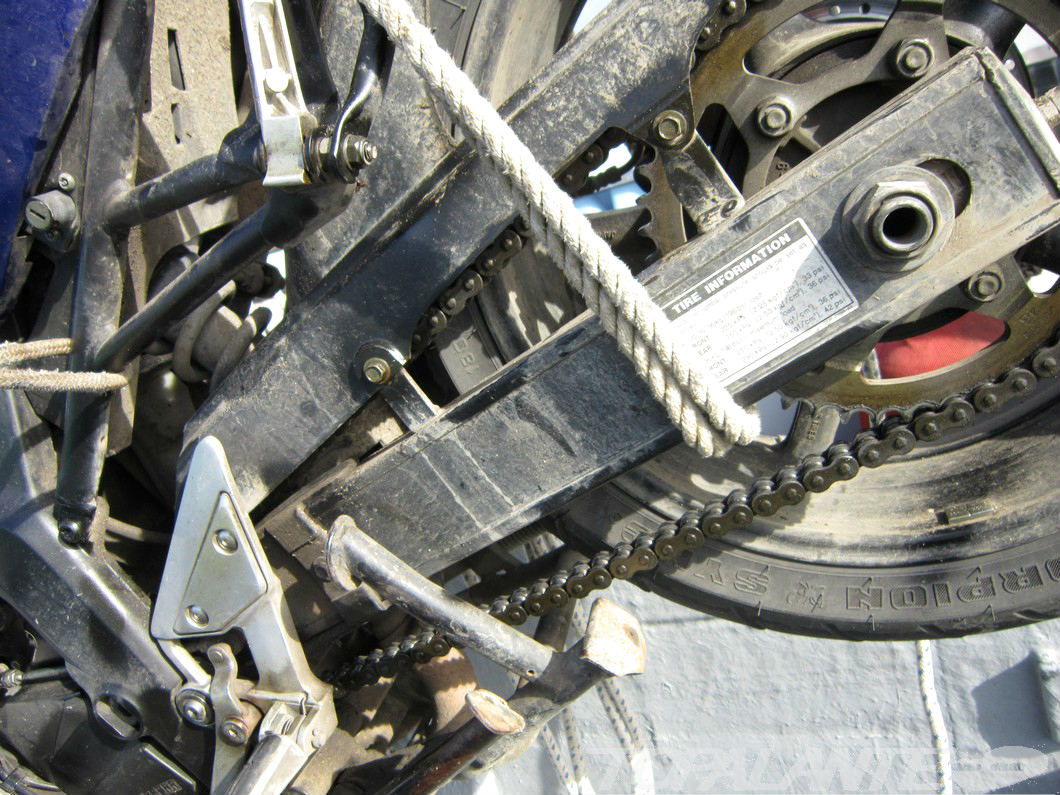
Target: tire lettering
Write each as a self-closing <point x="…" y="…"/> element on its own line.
<point x="911" y="596"/>
<point x="1021" y="579"/>
<point x="747" y="581"/>
<point x="864" y="598"/>
<point x="982" y="588"/>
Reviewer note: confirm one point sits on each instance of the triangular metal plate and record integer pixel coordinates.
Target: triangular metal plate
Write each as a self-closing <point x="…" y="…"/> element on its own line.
<point x="216" y="569"/>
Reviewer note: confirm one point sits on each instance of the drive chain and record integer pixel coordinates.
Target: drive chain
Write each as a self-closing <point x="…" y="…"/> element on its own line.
<point x="890" y="438"/>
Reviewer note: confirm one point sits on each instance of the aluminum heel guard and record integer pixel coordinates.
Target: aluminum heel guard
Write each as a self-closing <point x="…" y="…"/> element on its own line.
<point x="217" y="579"/>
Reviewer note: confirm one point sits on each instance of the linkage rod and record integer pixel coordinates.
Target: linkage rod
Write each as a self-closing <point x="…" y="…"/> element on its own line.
<point x="241" y="159"/>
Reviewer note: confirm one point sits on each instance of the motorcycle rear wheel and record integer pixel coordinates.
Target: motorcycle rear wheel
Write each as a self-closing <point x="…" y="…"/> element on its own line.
<point x="958" y="539"/>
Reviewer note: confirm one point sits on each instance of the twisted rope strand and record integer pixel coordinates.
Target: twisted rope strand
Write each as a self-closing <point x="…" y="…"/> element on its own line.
<point x="50" y="380"/>
<point x="696" y="402"/>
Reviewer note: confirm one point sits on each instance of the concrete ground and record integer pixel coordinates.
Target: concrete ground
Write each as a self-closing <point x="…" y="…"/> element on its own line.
<point x="730" y="709"/>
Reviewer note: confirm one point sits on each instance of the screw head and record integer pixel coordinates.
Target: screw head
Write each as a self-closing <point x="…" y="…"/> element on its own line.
<point x="670" y="127"/>
<point x="66" y="181"/>
<point x="225" y="541"/>
<point x="194" y="708"/>
<point x="196" y="615"/>
<point x="376" y="370"/>
<point x="913" y="58"/>
<point x="234" y="731"/>
<point x="72" y="532"/>
<point x="775" y="117"/>
<point x="984" y="286"/>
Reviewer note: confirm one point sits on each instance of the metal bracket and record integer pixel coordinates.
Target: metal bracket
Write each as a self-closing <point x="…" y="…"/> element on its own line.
<point x="217" y="579"/>
<point x="700" y="182"/>
<point x="285" y="121"/>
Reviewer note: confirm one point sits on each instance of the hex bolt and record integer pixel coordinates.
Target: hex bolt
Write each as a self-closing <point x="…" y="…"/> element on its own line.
<point x="902" y="225"/>
<point x="670" y="127"/>
<point x="67" y="182"/>
<point x="320" y="569"/>
<point x="234" y="731"/>
<point x="196" y="615"/>
<point x="194" y="708"/>
<point x="913" y="58"/>
<point x="775" y="117"/>
<point x="376" y="370"/>
<point x="984" y="286"/>
<point x="356" y="151"/>
<point x="225" y="541"/>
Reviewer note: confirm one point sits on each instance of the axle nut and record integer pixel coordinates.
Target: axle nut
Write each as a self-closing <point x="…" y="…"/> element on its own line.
<point x="899" y="218"/>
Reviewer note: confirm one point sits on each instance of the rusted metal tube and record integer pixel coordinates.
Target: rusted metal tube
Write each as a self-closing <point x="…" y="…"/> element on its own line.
<point x="354" y="556"/>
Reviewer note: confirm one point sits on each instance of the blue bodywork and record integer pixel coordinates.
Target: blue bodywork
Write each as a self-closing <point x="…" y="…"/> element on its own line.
<point x="41" y="48"/>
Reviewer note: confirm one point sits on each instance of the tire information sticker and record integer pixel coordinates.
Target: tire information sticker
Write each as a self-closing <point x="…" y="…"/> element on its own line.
<point x="765" y="301"/>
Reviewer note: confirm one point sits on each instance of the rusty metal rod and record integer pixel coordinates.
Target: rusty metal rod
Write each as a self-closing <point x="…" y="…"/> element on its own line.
<point x="354" y="556"/>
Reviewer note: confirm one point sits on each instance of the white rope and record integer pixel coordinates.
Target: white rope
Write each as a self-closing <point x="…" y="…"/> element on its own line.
<point x="560" y="761"/>
<point x="574" y="751"/>
<point x="50" y="380"/>
<point x="627" y="728"/>
<point x="696" y="402"/>
<point x="940" y="737"/>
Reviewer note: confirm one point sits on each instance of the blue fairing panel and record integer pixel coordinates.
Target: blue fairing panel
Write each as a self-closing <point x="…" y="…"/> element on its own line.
<point x="41" y="45"/>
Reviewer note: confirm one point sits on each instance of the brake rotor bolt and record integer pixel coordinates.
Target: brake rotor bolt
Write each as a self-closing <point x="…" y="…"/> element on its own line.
<point x="225" y="541"/>
<point x="377" y="370"/>
<point x="775" y="117"/>
<point x="984" y="286"/>
<point x="1020" y="383"/>
<point x="196" y="615"/>
<point x="1047" y="366"/>
<point x="670" y="127"/>
<point x="234" y="731"/>
<point x="730" y="7"/>
<point x="988" y="400"/>
<point x="913" y="58"/>
<point x="961" y="415"/>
